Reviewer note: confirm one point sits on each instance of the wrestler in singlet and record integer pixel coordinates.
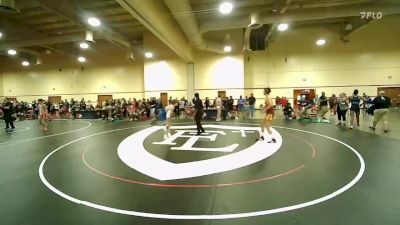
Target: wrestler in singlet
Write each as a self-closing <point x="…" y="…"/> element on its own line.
<point x="43" y="115"/>
<point x="269" y="116"/>
<point x="169" y="109"/>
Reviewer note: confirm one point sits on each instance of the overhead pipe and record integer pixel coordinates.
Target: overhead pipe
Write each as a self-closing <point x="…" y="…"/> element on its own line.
<point x="188" y="23"/>
<point x="305" y="15"/>
<point x="272" y="28"/>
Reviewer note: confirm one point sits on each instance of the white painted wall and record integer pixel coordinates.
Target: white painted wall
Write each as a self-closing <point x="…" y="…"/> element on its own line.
<point x="214" y="72"/>
<point x="368" y="59"/>
<point x="165" y="76"/>
<point x="365" y="62"/>
<point x="29" y="84"/>
<point x="1" y="87"/>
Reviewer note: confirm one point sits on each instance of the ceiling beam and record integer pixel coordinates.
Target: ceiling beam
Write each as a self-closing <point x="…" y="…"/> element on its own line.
<point x="72" y="12"/>
<point x="301" y="15"/>
<point x="157" y="19"/>
<point x="42" y="41"/>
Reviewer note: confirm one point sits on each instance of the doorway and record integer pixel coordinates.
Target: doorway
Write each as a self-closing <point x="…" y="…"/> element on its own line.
<point x="393" y="93"/>
<point x="297" y="93"/>
<point x="103" y="98"/>
<point x="54" y="99"/>
<point x="164" y="99"/>
<point x="11" y="99"/>
<point x="222" y="94"/>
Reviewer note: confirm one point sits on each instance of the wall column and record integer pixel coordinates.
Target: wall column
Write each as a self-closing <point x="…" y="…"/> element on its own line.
<point x="190" y="80"/>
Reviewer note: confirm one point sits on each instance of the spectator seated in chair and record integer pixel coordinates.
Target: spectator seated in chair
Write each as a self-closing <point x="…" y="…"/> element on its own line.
<point x="132" y="112"/>
<point x="117" y="113"/>
<point x="304" y="108"/>
<point x="313" y="112"/>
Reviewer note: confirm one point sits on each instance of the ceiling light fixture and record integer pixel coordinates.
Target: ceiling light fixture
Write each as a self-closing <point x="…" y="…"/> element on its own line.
<point x="81" y="59"/>
<point x="84" y="45"/>
<point x="148" y="55"/>
<point x="227" y="48"/>
<point x="320" y="42"/>
<point x="25" y="63"/>
<point x="12" y="52"/>
<point x="94" y="22"/>
<point x="283" y="26"/>
<point x="225" y="7"/>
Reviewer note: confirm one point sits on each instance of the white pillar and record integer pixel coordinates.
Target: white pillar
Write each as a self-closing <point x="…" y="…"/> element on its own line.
<point x="190" y="81"/>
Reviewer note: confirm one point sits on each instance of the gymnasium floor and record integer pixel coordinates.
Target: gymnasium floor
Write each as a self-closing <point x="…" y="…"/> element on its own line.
<point x="95" y="172"/>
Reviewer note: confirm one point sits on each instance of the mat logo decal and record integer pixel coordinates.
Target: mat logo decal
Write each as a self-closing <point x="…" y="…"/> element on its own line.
<point x="192" y="139"/>
<point x="133" y="153"/>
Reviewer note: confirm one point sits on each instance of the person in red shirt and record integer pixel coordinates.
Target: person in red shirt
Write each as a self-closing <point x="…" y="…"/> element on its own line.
<point x="132" y="113"/>
<point x="284" y="101"/>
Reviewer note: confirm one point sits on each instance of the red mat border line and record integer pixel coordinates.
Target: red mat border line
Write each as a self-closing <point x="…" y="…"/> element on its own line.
<point x="152" y="184"/>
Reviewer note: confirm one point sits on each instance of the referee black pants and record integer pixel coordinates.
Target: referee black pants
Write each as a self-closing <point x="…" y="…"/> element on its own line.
<point x="197" y="117"/>
<point x="9" y="122"/>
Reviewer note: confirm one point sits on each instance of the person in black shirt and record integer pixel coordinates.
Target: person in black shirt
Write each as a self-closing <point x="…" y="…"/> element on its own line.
<point x="230" y="103"/>
<point x="207" y="103"/>
<point x="252" y="102"/>
<point x="8" y="111"/>
<point x="323" y="105"/>
<point x="381" y="106"/>
<point x="198" y="106"/>
<point x="288" y="111"/>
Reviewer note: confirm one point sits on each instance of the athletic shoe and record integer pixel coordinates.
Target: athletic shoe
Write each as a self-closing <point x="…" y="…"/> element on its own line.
<point x="339" y="124"/>
<point x="372" y="128"/>
<point x="385" y="131"/>
<point x="344" y="124"/>
<point x="351" y="126"/>
<point x="272" y="141"/>
<point x="198" y="133"/>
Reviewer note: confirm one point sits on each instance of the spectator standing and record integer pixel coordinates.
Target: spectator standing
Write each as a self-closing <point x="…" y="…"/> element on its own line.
<point x="252" y="102"/>
<point x="8" y="110"/>
<point x="219" y="107"/>
<point x="342" y="109"/>
<point x="381" y="106"/>
<point x="333" y="104"/>
<point x="355" y="101"/>
<point x="323" y="105"/>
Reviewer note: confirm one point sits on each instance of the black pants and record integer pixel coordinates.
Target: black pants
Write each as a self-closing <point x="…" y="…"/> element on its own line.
<point x="197" y="117"/>
<point x="341" y="114"/>
<point x="9" y="122"/>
